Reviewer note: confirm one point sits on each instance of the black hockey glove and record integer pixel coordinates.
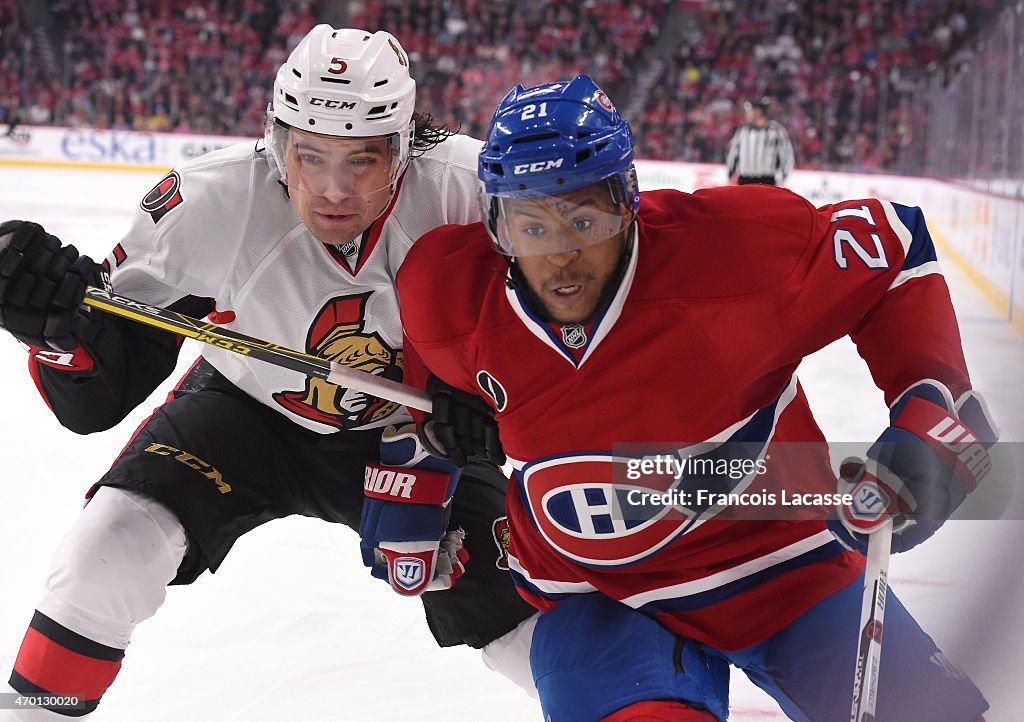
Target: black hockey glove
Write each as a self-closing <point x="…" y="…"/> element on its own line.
<point x="461" y="427"/>
<point x="42" y="284"/>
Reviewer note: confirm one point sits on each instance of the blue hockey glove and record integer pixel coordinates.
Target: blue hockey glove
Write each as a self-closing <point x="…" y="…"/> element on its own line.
<point x="934" y="453"/>
<point x="403" y="525"/>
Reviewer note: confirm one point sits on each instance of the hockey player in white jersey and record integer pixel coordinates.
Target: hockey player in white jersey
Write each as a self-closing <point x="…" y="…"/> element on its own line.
<point x="296" y="239"/>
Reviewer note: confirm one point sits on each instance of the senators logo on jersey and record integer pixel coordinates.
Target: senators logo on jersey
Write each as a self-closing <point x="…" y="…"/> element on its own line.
<point x="163" y="197"/>
<point x="338" y="334"/>
<point x="502" y="535"/>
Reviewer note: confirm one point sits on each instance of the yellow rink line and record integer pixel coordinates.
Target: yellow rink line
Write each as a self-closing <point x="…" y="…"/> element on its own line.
<point x="84" y="165"/>
<point x="992" y="293"/>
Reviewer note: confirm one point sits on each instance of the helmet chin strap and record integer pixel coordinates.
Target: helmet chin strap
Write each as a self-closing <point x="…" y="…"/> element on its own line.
<point x="517" y="281"/>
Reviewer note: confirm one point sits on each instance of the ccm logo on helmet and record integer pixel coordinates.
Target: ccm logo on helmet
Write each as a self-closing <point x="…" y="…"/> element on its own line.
<point x="536" y="167"/>
<point x="329" y="103"/>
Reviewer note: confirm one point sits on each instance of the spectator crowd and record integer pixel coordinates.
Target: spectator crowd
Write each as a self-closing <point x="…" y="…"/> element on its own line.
<point x="160" y="65"/>
<point x="846" y="76"/>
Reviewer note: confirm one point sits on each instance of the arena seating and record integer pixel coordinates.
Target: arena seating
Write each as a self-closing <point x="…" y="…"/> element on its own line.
<point x="847" y="77"/>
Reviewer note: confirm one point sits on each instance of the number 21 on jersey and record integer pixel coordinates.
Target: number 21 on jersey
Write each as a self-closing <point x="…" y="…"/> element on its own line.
<point x="845" y="236"/>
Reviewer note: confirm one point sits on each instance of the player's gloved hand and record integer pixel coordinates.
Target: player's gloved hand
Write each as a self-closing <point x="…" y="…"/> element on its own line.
<point x="42" y="284"/>
<point x="920" y="470"/>
<point x="461" y="426"/>
<point x="403" y="525"/>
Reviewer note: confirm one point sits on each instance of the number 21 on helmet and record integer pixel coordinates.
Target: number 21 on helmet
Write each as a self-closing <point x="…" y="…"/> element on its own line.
<point x="557" y="170"/>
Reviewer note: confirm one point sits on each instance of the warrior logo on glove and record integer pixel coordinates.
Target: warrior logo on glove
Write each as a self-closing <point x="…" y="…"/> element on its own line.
<point x="403" y="533"/>
<point x="409" y="572"/>
<point x="869" y="501"/>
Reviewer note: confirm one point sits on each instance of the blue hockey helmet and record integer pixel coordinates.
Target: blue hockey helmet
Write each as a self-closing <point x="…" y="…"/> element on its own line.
<point x="545" y="144"/>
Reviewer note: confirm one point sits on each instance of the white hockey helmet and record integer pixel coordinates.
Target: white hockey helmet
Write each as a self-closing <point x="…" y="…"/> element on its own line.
<point x="344" y="82"/>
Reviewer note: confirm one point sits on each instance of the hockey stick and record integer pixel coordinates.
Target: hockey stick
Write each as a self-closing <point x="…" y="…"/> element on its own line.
<point x="872" y="614"/>
<point x="239" y="343"/>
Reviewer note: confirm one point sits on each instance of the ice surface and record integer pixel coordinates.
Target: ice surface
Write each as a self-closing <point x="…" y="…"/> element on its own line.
<point x="292" y="627"/>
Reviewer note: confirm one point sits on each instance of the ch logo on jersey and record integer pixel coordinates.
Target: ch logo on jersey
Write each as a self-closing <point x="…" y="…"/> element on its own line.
<point x="574" y="336"/>
<point x="338" y="334"/>
<point x="408" y="572"/>
<point x="163" y="197"/>
<point x="581" y="511"/>
<point x="591" y="509"/>
<point x="493" y="388"/>
<point x="502" y="536"/>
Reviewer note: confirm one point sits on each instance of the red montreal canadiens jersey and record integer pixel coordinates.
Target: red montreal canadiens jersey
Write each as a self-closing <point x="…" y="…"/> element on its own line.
<point x="725" y="292"/>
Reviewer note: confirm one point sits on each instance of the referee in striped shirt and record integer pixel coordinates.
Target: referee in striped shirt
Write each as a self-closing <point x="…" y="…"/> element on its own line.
<point x="760" y="150"/>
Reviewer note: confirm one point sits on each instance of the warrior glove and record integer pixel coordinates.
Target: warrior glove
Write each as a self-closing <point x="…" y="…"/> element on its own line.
<point x="403" y="528"/>
<point x="934" y="453"/>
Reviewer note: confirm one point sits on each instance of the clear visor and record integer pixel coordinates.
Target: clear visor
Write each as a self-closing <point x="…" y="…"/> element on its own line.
<point x="327" y="165"/>
<point x="533" y="224"/>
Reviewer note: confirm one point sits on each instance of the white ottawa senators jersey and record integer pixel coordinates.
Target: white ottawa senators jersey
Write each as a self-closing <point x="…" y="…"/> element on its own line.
<point x="725" y="292"/>
<point x="222" y="227"/>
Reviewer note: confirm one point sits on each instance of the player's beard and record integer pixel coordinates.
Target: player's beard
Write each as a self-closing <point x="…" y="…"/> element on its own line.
<point x="533" y="301"/>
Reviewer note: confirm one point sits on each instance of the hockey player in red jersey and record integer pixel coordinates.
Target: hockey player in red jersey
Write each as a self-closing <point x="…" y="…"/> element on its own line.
<point x="582" y="316"/>
<point x="296" y="239"/>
